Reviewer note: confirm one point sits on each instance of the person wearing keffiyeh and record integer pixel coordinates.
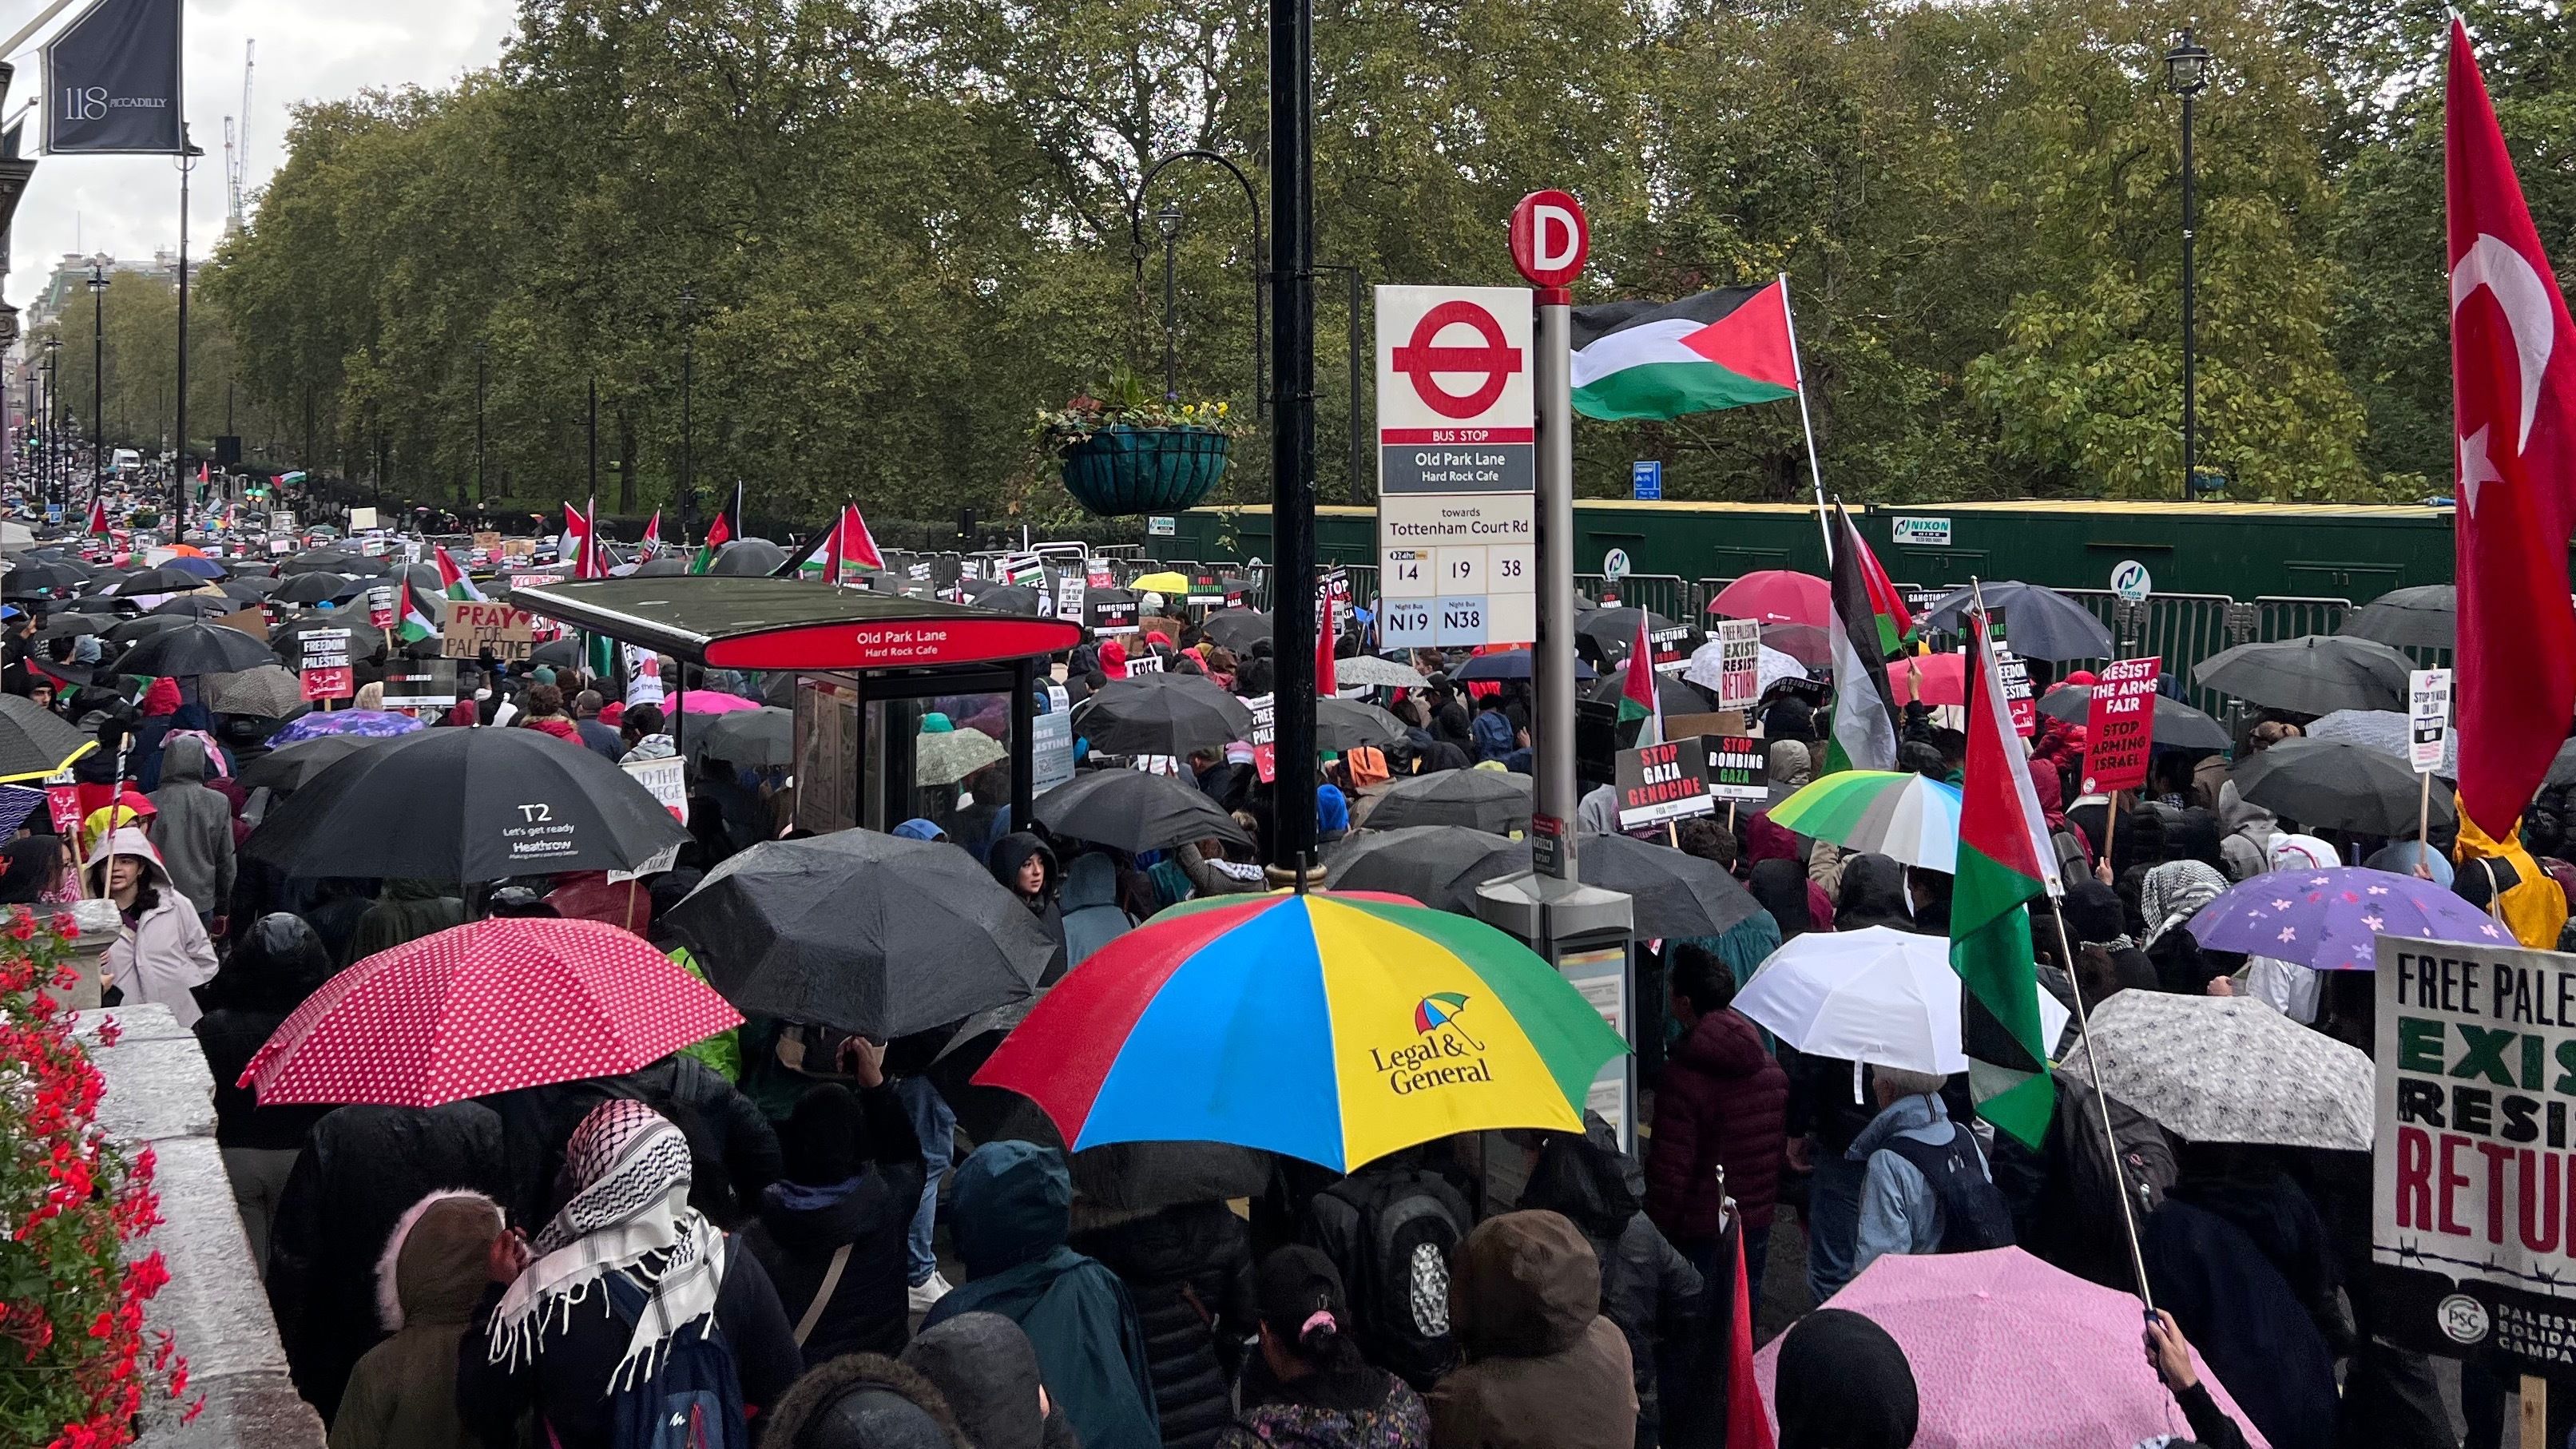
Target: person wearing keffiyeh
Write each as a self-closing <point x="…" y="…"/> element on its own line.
<point x="549" y="1338"/>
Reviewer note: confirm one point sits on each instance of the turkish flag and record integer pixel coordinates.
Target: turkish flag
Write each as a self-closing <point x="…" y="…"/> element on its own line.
<point x="2513" y="398"/>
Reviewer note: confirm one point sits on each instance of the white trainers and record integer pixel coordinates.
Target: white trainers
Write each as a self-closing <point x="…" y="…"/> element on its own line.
<point x="929" y="1291"/>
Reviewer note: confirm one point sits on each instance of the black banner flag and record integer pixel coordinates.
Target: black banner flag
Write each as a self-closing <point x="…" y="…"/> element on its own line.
<point x="112" y="81"/>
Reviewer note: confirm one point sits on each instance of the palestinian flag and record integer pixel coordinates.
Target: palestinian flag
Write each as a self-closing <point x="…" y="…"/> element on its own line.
<point x="652" y="541"/>
<point x="2005" y="860"/>
<point x="97" y="517"/>
<point x="1728" y="348"/>
<point x="1864" y="736"/>
<point x="452" y="580"/>
<point x="718" y="535"/>
<point x="416" y="623"/>
<point x="1637" y="698"/>
<point x="573" y="547"/>
<point x="850" y="548"/>
<point x="1895" y="621"/>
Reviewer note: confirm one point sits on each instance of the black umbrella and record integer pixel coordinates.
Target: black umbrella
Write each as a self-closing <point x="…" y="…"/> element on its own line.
<point x="248" y="589"/>
<point x="195" y="648"/>
<point x="194" y="606"/>
<point x="130" y="630"/>
<point x="2424" y="617"/>
<point x="43" y="581"/>
<point x="1350" y="724"/>
<point x="1009" y="599"/>
<point x="1236" y="629"/>
<point x="2040" y="623"/>
<point x="869" y="933"/>
<point x="662" y="565"/>
<point x="163" y="580"/>
<point x="1676" y="694"/>
<point x="1508" y="664"/>
<point x="1161" y="714"/>
<point x="748" y="558"/>
<point x="2337" y="785"/>
<point x="1603" y="635"/>
<point x="467" y="805"/>
<point x="1133" y="811"/>
<point x="36" y="742"/>
<point x="1672" y="893"/>
<point x="1438" y="865"/>
<point x="289" y="768"/>
<point x="72" y="626"/>
<point x="315" y="587"/>
<point x="2312" y="674"/>
<point x="2178" y="725"/>
<point x="1494" y="800"/>
<point x="564" y="653"/>
<point x="364" y="638"/>
<point x="748" y="737"/>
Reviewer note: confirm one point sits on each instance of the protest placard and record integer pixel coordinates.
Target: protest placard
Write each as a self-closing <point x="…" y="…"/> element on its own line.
<point x="2120" y="725"/>
<point x="1144" y="662"/>
<point x="420" y="684"/>
<point x="1111" y="613"/>
<point x="474" y="626"/>
<point x="2017" y="697"/>
<point x="1662" y="782"/>
<point x="2473" y="1180"/>
<point x="1265" y="736"/>
<point x="1739" y="663"/>
<point x="380" y="606"/>
<point x="1739" y="768"/>
<point x="2428" y="719"/>
<point x="1669" y="648"/>
<point x="324" y="664"/>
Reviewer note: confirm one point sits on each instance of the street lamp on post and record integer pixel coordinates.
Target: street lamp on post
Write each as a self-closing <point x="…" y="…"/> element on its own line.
<point x="188" y="154"/>
<point x="1168" y="222"/>
<point x="97" y="377"/>
<point x="53" y="420"/>
<point x="688" y="439"/>
<point x="482" y="360"/>
<point x="2187" y="75"/>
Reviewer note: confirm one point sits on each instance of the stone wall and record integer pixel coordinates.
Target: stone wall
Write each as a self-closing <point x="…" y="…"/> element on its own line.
<point x="158" y="1092"/>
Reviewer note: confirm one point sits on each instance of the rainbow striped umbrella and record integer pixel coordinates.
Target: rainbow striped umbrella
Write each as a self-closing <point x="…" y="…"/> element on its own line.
<point x="1896" y="813"/>
<point x="1337" y="1027"/>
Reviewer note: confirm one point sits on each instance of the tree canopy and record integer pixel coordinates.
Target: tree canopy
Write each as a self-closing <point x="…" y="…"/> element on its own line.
<point x="878" y="238"/>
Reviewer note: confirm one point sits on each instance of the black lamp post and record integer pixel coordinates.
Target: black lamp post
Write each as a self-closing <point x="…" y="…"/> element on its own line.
<point x="688" y="439"/>
<point x="97" y="376"/>
<point x="2187" y="75"/>
<point x="1168" y="221"/>
<point x="482" y="362"/>
<point x="1292" y="425"/>
<point x="53" y="419"/>
<point x="179" y="446"/>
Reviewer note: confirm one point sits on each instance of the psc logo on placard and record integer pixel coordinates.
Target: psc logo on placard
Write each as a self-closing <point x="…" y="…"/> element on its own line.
<point x="2463" y="1319"/>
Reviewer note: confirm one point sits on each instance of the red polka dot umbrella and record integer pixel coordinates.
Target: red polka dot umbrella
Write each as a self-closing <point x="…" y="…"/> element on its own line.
<point x="485" y="1007"/>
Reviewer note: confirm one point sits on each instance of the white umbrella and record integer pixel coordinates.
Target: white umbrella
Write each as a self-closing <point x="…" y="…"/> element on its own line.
<point x="1770" y="668"/>
<point x="1375" y="673"/>
<point x="1884" y="997"/>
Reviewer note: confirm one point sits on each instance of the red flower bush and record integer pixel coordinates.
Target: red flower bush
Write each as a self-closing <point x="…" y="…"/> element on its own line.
<point x="75" y="1369"/>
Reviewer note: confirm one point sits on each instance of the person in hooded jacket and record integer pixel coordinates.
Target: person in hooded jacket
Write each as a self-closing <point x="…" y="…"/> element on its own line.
<point x="1544" y="1369"/>
<point x="1092" y="917"/>
<point x="162" y="953"/>
<point x="1843" y="1383"/>
<point x="865" y="1401"/>
<point x="1010" y="1215"/>
<point x="1721" y="1106"/>
<point x="831" y="1231"/>
<point x="988" y="1371"/>
<point x="158" y="713"/>
<point x="279" y="962"/>
<point x="1873" y="894"/>
<point x="402" y="1394"/>
<point x="1648" y="1288"/>
<point x="193" y="826"/>
<point x="361" y="1169"/>
<point x="405" y="912"/>
<point x="1310" y="1387"/>
<point x="1188" y="1268"/>
<point x="1027" y="869"/>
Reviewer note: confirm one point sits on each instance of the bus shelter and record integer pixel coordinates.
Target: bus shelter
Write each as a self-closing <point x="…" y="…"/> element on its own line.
<point x="885" y="689"/>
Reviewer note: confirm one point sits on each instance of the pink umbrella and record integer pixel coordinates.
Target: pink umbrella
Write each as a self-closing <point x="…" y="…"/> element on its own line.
<point x="486" y="1007"/>
<point x="712" y="701"/>
<point x="1777" y="596"/>
<point x="2010" y="1353"/>
<point x="1935" y="678"/>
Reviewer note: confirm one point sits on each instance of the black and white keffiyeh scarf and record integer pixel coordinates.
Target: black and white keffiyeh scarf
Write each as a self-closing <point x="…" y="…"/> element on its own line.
<point x="631" y="1217"/>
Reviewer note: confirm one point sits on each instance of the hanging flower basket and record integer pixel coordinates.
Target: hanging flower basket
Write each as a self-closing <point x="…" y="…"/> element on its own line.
<point x="1122" y="469"/>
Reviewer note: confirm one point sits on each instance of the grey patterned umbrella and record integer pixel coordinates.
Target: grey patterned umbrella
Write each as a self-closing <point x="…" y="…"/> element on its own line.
<point x="2230" y="1069"/>
<point x="1375" y="672"/>
<point x="2384" y="730"/>
<point x="268" y="692"/>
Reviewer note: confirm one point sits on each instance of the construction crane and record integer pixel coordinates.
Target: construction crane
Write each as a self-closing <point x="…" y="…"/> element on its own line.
<point x="237" y="149"/>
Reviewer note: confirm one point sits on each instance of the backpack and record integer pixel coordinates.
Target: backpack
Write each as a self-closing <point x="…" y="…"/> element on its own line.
<point x="691" y="1400"/>
<point x="1973" y="1213"/>
<point x="2147" y="1163"/>
<point x="1392" y="1233"/>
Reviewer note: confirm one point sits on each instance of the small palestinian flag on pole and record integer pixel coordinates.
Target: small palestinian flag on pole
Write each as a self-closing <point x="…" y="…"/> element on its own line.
<point x="2005" y="861"/>
<point x="416" y="623"/>
<point x="1895" y="621"/>
<point x="1637" y="697"/>
<point x="1729" y="348"/>
<point x="451" y="579"/>
<point x="573" y="547"/>
<point x="853" y="545"/>
<point x="1864" y="733"/>
<point x="719" y="533"/>
<point x="652" y="542"/>
<point x="98" y="517"/>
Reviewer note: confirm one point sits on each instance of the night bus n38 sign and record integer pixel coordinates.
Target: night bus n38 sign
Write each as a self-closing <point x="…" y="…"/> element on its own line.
<point x="2473" y="1161"/>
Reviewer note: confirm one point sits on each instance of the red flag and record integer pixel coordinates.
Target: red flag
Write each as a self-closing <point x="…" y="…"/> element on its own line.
<point x="2513" y="400"/>
<point x="97" y="517"/>
<point x="653" y="535"/>
<point x="1747" y="1425"/>
<point x="857" y="546"/>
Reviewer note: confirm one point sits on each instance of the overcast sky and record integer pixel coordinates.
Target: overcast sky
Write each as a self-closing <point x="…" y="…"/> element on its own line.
<point x="308" y="50"/>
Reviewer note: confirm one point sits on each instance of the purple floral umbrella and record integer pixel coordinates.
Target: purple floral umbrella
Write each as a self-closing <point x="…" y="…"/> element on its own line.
<point x="2332" y="919"/>
<point x="374" y="723"/>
